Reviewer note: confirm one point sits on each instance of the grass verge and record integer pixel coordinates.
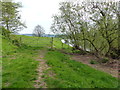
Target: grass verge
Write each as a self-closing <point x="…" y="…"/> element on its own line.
<point x="72" y="74"/>
<point x="19" y="65"/>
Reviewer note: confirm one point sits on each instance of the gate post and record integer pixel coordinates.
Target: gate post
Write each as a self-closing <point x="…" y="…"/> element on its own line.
<point x="52" y="43"/>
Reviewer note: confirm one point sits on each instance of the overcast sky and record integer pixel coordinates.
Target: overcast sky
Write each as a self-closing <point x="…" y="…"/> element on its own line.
<point x="40" y="12"/>
<point x="36" y="12"/>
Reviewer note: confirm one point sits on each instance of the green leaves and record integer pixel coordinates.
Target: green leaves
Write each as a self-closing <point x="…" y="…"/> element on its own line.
<point x="10" y="16"/>
<point x="88" y="25"/>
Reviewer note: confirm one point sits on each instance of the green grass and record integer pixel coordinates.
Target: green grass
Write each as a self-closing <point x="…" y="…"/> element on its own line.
<point x="72" y="74"/>
<point x="43" y="42"/>
<point x="19" y="66"/>
<point x="0" y="60"/>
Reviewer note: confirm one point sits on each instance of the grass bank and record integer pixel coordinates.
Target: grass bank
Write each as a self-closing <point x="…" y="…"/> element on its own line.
<point x="19" y="66"/>
<point x="72" y="74"/>
<point x="19" y="63"/>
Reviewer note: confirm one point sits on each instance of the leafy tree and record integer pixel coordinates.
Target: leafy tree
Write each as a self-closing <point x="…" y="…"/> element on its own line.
<point x="67" y="23"/>
<point x="92" y="25"/>
<point x="10" y="19"/>
<point x="104" y="15"/>
<point x="38" y="31"/>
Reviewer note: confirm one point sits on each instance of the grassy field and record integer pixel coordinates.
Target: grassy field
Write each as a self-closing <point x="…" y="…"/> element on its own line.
<point x="72" y="74"/>
<point x="19" y="66"/>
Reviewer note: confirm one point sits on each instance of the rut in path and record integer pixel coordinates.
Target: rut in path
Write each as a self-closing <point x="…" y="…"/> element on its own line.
<point x="40" y="83"/>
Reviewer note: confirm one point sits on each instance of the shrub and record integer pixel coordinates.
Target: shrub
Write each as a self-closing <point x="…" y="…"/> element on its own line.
<point x="104" y="60"/>
<point x="16" y="42"/>
<point x="50" y="49"/>
<point x="76" y="51"/>
<point x="93" y="62"/>
<point x="81" y="52"/>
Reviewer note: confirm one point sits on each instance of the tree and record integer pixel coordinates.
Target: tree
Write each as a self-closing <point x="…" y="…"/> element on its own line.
<point x="68" y="23"/>
<point x="104" y="15"/>
<point x="38" y="31"/>
<point x="10" y="19"/>
<point x="89" y="25"/>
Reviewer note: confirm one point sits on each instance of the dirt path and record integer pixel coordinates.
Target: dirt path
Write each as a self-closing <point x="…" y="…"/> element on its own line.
<point x="111" y="67"/>
<point x="39" y="83"/>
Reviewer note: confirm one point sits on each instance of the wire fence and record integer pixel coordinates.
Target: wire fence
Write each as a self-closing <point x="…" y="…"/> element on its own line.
<point x="36" y="41"/>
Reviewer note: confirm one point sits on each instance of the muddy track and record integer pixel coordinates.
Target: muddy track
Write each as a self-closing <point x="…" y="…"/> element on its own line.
<point x="40" y="83"/>
<point x="85" y="59"/>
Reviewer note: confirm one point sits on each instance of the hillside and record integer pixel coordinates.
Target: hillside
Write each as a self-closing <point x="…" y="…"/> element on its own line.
<point x="35" y="65"/>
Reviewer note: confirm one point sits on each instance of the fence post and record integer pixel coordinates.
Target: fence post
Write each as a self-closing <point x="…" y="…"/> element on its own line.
<point x="52" y="43"/>
<point x="68" y="45"/>
<point x="38" y="41"/>
<point x="62" y="45"/>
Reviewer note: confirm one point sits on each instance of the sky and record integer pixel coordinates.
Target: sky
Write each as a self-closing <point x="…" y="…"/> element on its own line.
<point x="40" y="12"/>
<point x="36" y="12"/>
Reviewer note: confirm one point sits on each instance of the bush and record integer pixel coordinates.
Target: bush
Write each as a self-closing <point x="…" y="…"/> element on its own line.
<point x="50" y="49"/>
<point x="76" y="51"/>
<point x="81" y="52"/>
<point x="93" y="62"/>
<point x="5" y="32"/>
<point x="16" y="42"/>
<point x="114" y="54"/>
<point x="104" y="60"/>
